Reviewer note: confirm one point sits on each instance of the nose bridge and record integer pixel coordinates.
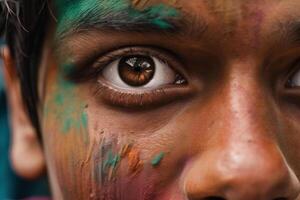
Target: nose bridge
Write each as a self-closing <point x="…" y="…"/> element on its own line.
<point x="250" y="119"/>
<point x="248" y="105"/>
<point x="245" y="110"/>
<point x="244" y="161"/>
<point x="250" y="153"/>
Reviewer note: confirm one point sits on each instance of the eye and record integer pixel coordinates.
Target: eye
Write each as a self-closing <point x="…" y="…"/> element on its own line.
<point x="294" y="80"/>
<point x="139" y="72"/>
<point x="137" y="77"/>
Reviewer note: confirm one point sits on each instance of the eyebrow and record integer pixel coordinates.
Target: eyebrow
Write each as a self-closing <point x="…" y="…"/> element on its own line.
<point x="116" y="15"/>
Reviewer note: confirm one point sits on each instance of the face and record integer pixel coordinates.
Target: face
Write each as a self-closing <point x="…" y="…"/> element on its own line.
<point x="171" y="99"/>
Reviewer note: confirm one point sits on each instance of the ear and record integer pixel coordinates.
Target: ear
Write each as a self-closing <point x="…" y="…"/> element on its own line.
<point x="26" y="153"/>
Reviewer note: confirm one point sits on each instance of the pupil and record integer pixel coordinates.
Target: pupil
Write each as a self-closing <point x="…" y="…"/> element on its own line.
<point x="136" y="70"/>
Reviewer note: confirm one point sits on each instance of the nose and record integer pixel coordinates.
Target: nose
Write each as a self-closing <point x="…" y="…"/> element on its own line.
<point x="239" y="173"/>
<point x="243" y="160"/>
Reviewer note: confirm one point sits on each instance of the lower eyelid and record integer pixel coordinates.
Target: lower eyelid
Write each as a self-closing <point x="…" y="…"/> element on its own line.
<point x="149" y="98"/>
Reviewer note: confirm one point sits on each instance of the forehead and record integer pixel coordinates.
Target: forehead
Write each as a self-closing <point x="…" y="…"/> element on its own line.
<point x="213" y="7"/>
<point x="227" y="28"/>
<point x="229" y="13"/>
<point x="222" y="16"/>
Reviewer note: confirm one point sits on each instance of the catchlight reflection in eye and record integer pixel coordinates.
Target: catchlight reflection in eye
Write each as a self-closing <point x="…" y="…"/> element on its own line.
<point x="138" y="72"/>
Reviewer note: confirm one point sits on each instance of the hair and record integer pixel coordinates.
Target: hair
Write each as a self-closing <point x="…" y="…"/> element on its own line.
<point x="23" y="24"/>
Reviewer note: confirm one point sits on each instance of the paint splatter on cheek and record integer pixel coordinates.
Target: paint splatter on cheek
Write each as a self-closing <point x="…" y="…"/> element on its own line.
<point x="110" y="156"/>
<point x="132" y="156"/>
<point x="90" y="166"/>
<point x="134" y="162"/>
<point x="117" y="164"/>
<point x="157" y="159"/>
<point x="65" y="130"/>
<point x="65" y="103"/>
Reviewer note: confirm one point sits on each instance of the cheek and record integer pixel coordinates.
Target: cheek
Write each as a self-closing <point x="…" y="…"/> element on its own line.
<point x="65" y="134"/>
<point x="93" y="150"/>
<point x="133" y="155"/>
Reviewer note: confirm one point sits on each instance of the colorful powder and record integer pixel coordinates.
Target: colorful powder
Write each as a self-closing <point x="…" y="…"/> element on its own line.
<point x="112" y="160"/>
<point x="157" y="159"/>
<point x="84" y="119"/>
<point x="110" y="165"/>
<point x="134" y="162"/>
<point x="125" y="150"/>
<point x="113" y="13"/>
<point x="70" y="115"/>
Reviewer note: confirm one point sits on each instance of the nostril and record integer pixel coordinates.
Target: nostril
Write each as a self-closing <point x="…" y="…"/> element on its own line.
<point x="280" y="198"/>
<point x="215" y="198"/>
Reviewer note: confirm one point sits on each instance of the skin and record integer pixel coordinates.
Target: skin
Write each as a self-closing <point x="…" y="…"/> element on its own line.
<point x="232" y="134"/>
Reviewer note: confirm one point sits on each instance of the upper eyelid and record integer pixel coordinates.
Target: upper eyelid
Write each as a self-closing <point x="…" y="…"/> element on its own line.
<point x="142" y="50"/>
<point x="91" y="67"/>
<point x="164" y="55"/>
<point x="115" y="55"/>
<point x="279" y="67"/>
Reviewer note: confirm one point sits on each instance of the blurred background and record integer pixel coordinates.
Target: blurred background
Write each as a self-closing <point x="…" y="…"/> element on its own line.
<point x="11" y="185"/>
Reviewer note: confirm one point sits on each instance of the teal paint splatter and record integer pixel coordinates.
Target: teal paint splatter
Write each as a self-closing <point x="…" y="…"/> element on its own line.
<point x="67" y="124"/>
<point x="115" y="161"/>
<point x="69" y="109"/>
<point x="84" y="120"/>
<point x="112" y="160"/>
<point x="114" y="13"/>
<point x="109" y="158"/>
<point x="157" y="15"/>
<point x="157" y="159"/>
<point x="59" y="99"/>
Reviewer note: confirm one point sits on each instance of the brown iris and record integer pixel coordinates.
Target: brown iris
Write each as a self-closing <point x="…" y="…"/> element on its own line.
<point x="136" y="70"/>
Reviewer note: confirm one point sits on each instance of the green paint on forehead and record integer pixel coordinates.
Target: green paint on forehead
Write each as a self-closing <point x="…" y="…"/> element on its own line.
<point x="79" y="6"/>
<point x="72" y="14"/>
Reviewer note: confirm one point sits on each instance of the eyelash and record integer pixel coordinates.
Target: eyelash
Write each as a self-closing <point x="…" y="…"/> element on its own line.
<point x="154" y="97"/>
<point x="127" y="51"/>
